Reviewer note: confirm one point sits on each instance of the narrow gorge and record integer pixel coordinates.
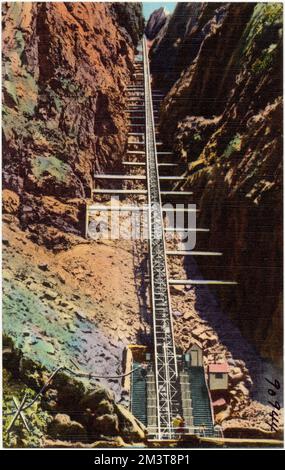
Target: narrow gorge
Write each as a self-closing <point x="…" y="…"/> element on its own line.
<point x="223" y="116"/>
<point x="82" y="304"/>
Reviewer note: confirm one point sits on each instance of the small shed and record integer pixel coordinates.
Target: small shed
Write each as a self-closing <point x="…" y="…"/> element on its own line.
<point x="219" y="376"/>
<point x="196" y="355"/>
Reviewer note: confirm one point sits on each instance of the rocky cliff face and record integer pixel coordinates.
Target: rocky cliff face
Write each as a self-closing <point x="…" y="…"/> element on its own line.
<point x="67" y="298"/>
<point x="166" y="62"/>
<point x="156" y="22"/>
<point x="222" y="115"/>
<point x="65" y="67"/>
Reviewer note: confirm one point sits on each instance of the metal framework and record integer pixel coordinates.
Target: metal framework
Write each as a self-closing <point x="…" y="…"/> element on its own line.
<point x="166" y="372"/>
<point x="167" y="392"/>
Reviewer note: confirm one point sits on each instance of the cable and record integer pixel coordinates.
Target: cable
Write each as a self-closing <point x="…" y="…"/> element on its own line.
<point x="80" y="374"/>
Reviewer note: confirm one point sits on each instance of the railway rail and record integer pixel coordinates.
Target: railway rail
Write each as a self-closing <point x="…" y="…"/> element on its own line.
<point x="166" y="370"/>
<point x="167" y="384"/>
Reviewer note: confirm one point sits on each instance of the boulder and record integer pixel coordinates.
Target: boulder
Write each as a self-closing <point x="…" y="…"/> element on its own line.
<point x="31" y="373"/>
<point x="222" y="415"/>
<point x="197" y="332"/>
<point x="95" y="399"/>
<point x="10" y="202"/>
<point x="50" y="399"/>
<point x="70" y="391"/>
<point x="219" y="405"/>
<point x="105" y="407"/>
<point x="236" y="375"/>
<point x="114" y="442"/>
<point x="131" y="427"/>
<point x="43" y="266"/>
<point x="178" y="290"/>
<point x="107" y="425"/>
<point x="187" y="315"/>
<point x="242" y="388"/>
<point x="62" y="427"/>
<point x="155" y="22"/>
<point x="50" y="294"/>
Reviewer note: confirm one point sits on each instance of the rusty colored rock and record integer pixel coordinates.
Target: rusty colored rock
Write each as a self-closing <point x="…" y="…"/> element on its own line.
<point x="65" y="67"/>
<point x="10" y="202"/>
<point x="223" y="116"/>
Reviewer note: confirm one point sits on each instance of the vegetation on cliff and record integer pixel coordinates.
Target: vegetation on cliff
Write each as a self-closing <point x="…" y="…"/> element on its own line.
<point x="65" y="66"/>
<point x="223" y="116"/>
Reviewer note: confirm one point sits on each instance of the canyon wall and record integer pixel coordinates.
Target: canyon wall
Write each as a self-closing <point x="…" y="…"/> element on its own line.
<point x="220" y="66"/>
<point x="79" y="303"/>
<point x="157" y="20"/>
<point x="65" y="66"/>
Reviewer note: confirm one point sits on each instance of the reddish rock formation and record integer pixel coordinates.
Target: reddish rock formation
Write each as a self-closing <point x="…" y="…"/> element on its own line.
<point x="65" y="67"/>
<point x="224" y="114"/>
<point x="177" y="44"/>
<point x="156" y="21"/>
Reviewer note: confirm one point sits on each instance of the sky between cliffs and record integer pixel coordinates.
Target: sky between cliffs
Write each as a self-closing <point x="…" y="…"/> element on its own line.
<point x="149" y="7"/>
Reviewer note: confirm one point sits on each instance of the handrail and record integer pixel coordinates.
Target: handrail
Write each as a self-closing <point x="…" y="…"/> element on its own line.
<point x="209" y="396"/>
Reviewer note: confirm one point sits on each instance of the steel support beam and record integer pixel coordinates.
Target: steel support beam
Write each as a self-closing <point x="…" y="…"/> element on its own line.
<point x="119" y="191"/>
<point x="193" y="253"/>
<point x="95" y="208"/>
<point x="185" y="230"/>
<point x="140" y="164"/>
<point x="120" y="177"/>
<point x="179" y="209"/>
<point x="173" y="178"/>
<point x="176" y="193"/>
<point x="166" y="373"/>
<point x="194" y="282"/>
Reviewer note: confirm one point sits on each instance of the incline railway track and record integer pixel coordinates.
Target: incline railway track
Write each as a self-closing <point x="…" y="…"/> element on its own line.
<point x="168" y="384"/>
<point x="166" y="370"/>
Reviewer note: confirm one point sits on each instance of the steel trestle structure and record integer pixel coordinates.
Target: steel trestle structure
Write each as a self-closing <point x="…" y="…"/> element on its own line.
<point x="172" y="387"/>
<point x="166" y="371"/>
